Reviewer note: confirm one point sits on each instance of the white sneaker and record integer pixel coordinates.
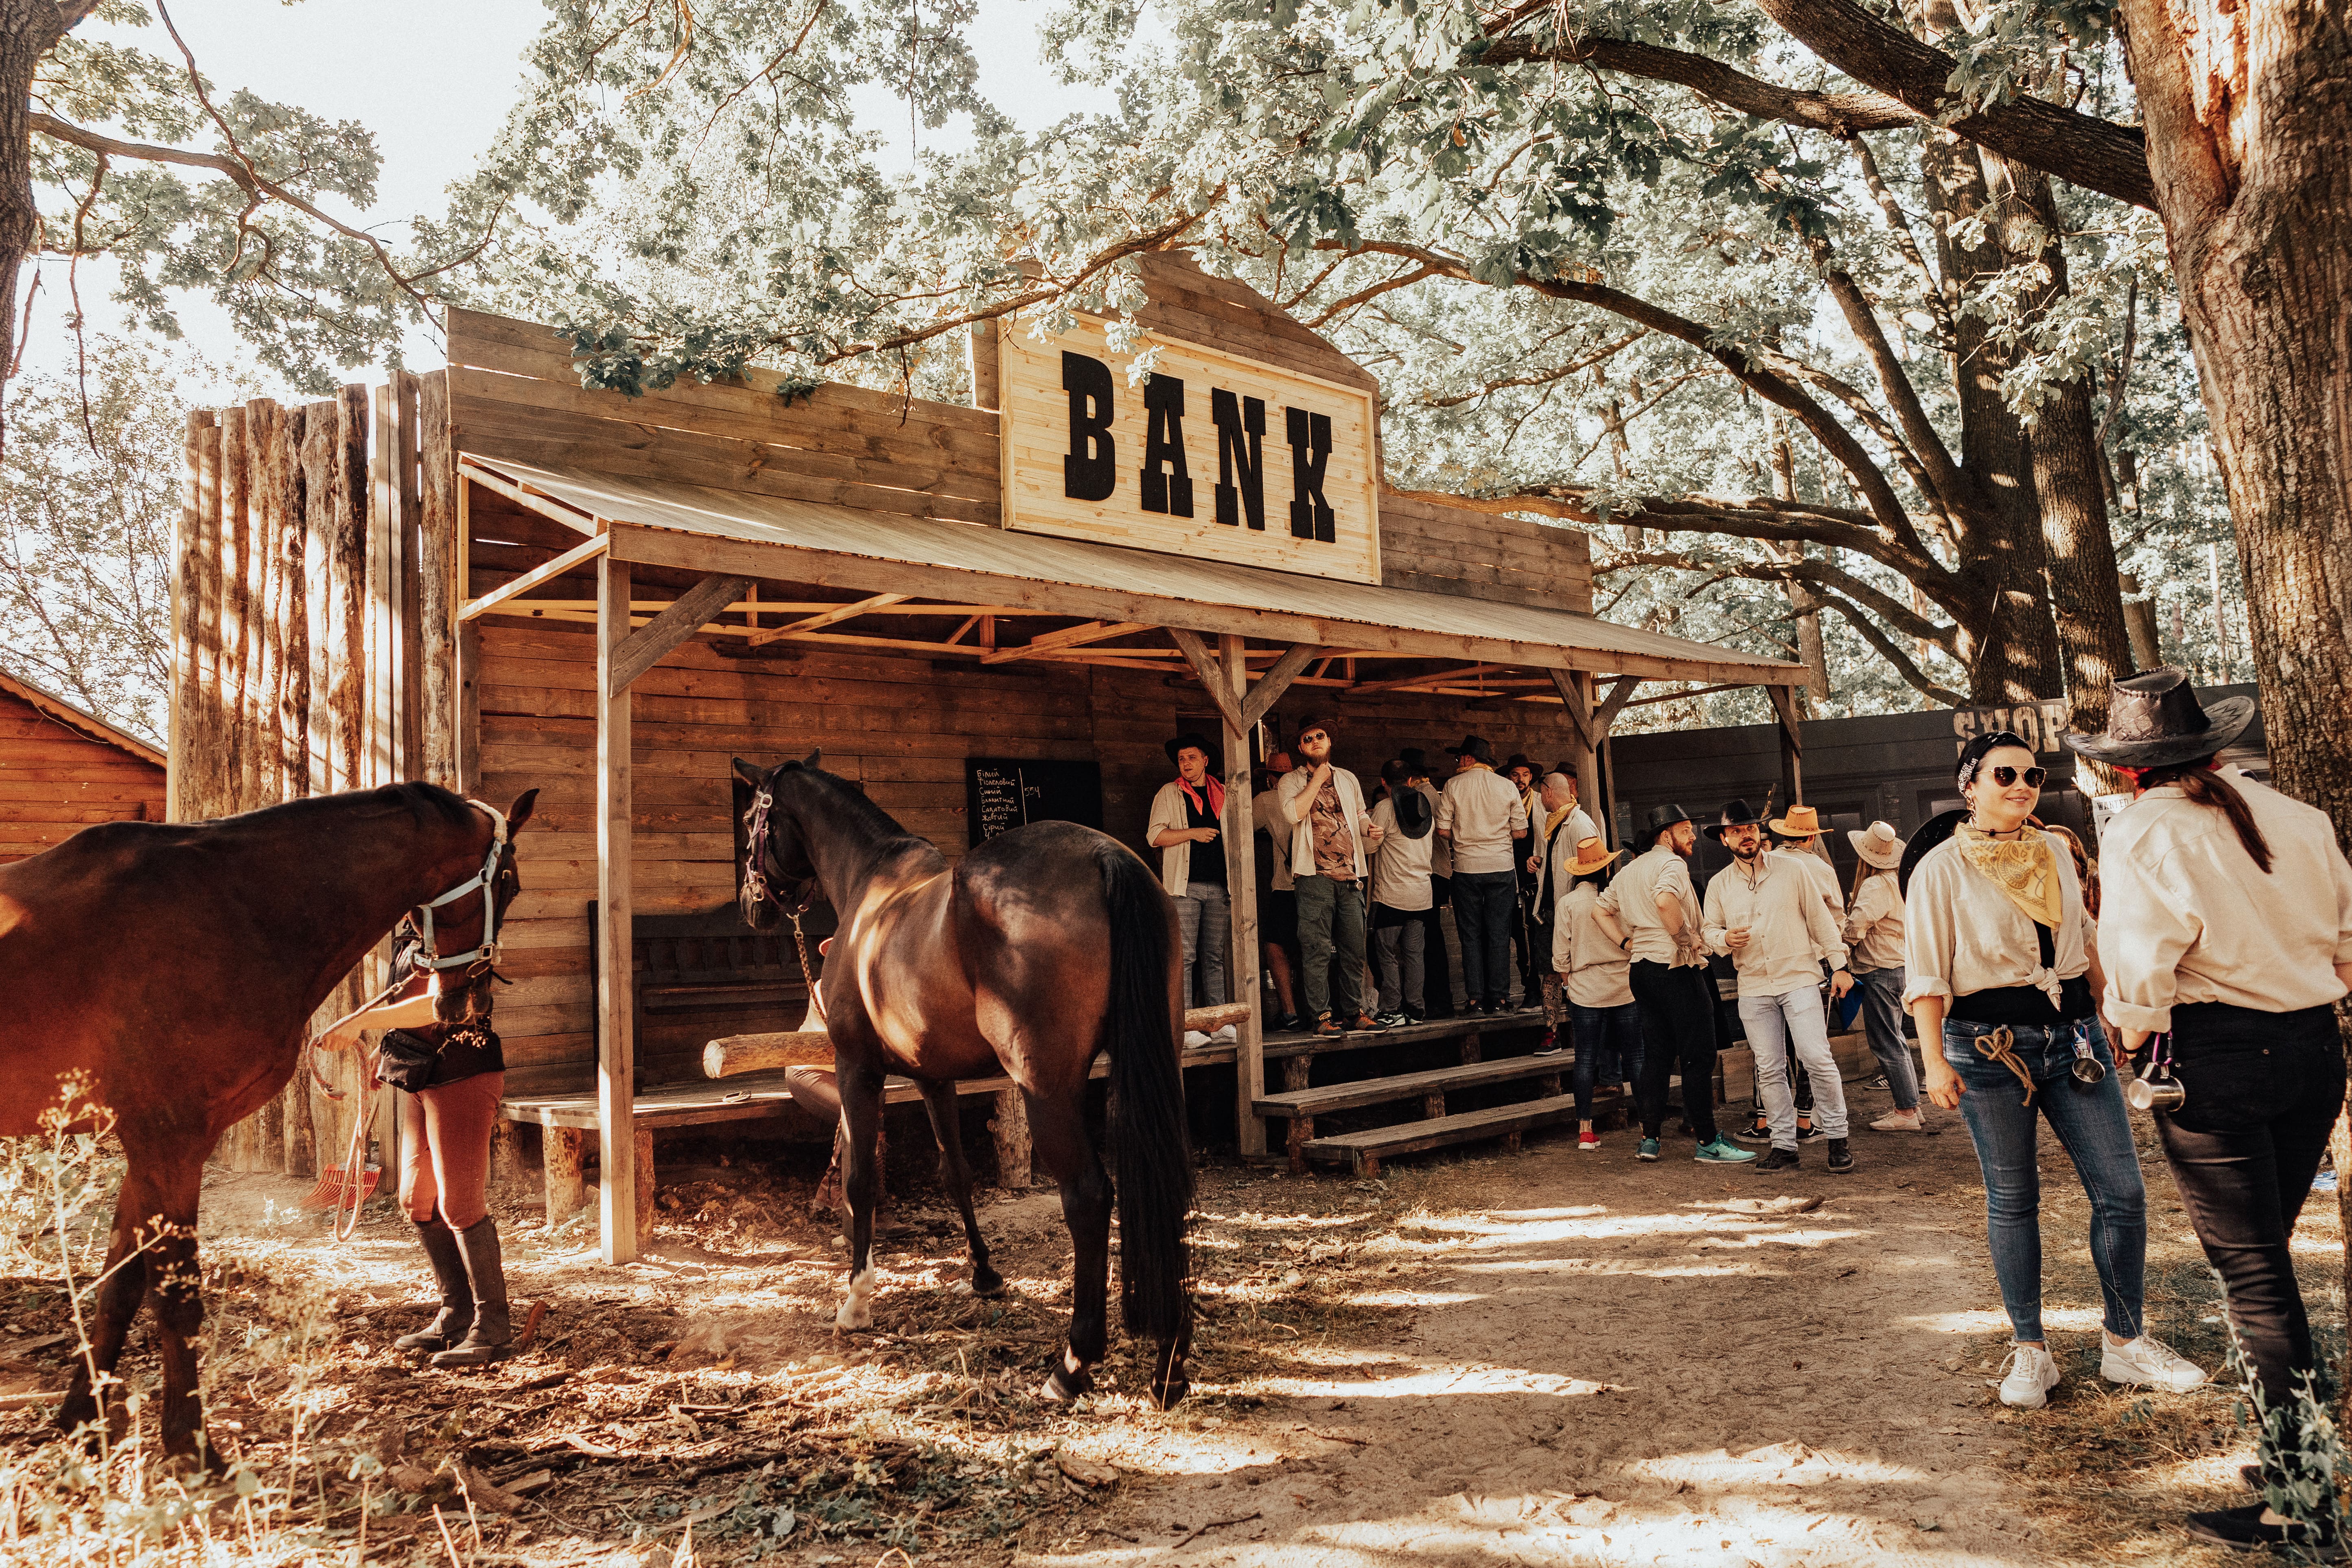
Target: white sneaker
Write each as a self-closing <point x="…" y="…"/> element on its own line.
<point x="1194" y="1039"/>
<point x="2145" y="1360"/>
<point x="1900" y="1121"/>
<point x="2032" y="1375"/>
<point x="1227" y="1036"/>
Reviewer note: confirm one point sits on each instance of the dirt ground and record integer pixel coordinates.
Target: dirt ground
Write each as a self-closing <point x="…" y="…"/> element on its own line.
<point x="1547" y="1357"/>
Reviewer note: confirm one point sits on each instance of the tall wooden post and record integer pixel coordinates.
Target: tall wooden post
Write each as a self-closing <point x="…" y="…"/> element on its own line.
<point x="616" y="1146"/>
<point x="1241" y="888"/>
<point x="1792" y="745"/>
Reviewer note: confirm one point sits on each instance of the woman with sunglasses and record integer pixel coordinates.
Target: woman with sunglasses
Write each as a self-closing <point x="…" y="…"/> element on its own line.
<point x="2230" y="907"/>
<point x="2001" y="970"/>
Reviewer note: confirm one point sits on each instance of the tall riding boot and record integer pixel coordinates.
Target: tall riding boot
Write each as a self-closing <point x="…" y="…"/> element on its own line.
<point x="491" y="1338"/>
<point x="457" y="1315"/>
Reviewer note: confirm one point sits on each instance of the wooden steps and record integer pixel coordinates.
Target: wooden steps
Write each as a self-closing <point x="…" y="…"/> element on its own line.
<point x="1299" y="1043"/>
<point x="1363" y="1151"/>
<point x="1430" y="1088"/>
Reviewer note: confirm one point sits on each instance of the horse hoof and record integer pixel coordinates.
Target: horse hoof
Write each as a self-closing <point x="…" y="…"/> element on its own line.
<point x="1167" y="1395"/>
<point x="1063" y="1386"/>
<point x="987" y="1283"/>
<point x="857" y="1307"/>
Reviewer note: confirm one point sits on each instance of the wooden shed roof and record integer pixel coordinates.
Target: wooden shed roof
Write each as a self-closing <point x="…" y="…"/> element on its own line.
<point x="696" y="527"/>
<point x="88" y="725"/>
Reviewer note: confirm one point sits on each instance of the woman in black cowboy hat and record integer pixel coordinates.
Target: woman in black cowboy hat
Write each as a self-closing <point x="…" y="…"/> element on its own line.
<point x="2227" y="926"/>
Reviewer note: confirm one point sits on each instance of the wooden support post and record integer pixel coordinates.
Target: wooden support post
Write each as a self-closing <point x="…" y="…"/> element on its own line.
<point x="567" y="1192"/>
<point x="616" y="1147"/>
<point x="643" y="1171"/>
<point x="1009" y="1127"/>
<point x="1792" y="745"/>
<point x="1575" y="689"/>
<point x="1241" y="888"/>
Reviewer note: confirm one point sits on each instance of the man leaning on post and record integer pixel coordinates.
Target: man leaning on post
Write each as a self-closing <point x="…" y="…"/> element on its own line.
<point x="1651" y="912"/>
<point x="1330" y="831"/>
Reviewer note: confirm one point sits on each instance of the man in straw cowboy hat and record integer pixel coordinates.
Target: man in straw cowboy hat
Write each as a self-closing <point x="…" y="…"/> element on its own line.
<point x="1651" y="910"/>
<point x="2227" y="928"/>
<point x="1480" y="815"/>
<point x="1798" y="835"/>
<point x="1767" y="915"/>
<point x="1594" y="973"/>
<point x="1186" y="818"/>
<point x="1874" y="935"/>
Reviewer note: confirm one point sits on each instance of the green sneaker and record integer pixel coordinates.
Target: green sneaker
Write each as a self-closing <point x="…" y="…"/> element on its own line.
<point x="1647" y="1151"/>
<point x="1721" y="1150"/>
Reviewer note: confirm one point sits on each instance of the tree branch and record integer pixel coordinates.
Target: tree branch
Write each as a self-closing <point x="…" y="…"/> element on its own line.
<point x="1538" y="378"/>
<point x="1886" y="648"/>
<point x="1839" y="113"/>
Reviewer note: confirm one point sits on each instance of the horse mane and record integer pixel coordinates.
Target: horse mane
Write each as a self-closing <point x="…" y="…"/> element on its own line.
<point x="426" y="802"/>
<point x="855" y="804"/>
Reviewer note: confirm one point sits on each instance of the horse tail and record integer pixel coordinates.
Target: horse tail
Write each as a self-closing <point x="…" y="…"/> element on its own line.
<point x="1153" y="1154"/>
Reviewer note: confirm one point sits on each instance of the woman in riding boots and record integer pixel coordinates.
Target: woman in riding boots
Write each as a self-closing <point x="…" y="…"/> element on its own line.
<point x="2000" y="976"/>
<point x="445" y="1170"/>
<point x="2229" y="914"/>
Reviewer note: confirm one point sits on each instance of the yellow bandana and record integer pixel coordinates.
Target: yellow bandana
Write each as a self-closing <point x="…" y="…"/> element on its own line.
<point x="1552" y="822"/>
<point x="2023" y="867"/>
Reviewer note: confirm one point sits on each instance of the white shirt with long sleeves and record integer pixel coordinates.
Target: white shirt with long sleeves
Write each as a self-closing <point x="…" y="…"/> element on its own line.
<point x="1169" y="811"/>
<point x="1441" y="854"/>
<point x="1874" y="927"/>
<point x="1302" y="831"/>
<point x="1598" y="972"/>
<point x="1962" y="935"/>
<point x="1632" y="900"/>
<point x="1482" y="810"/>
<point x="2186" y="916"/>
<point x="1788" y="932"/>
<point x="1266" y="813"/>
<point x="1556" y="852"/>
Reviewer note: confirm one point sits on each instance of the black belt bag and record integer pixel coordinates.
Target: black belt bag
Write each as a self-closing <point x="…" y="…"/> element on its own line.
<point x="406" y="1061"/>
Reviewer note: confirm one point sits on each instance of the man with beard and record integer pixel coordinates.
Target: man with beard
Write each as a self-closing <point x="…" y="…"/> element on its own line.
<point x="1768" y="914"/>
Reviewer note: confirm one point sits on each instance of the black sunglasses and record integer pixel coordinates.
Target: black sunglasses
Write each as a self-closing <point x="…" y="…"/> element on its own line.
<point x="2005" y="777"/>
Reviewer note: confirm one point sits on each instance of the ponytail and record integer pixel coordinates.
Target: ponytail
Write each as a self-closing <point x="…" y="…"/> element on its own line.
<point x="2200" y="783"/>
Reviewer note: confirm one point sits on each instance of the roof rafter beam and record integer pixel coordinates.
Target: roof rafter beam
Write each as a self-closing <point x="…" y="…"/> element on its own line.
<point x="834" y="617"/>
<point x="1069" y="636"/>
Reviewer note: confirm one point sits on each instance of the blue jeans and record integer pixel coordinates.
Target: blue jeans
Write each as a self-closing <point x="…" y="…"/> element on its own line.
<point x="1485" y="902"/>
<point x="2091" y="1127"/>
<point x="1881" y="1020"/>
<point x="1204" y="918"/>
<point x="1608" y="1048"/>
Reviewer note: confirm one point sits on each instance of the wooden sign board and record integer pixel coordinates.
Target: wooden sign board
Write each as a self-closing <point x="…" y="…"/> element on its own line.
<point x="1212" y="456"/>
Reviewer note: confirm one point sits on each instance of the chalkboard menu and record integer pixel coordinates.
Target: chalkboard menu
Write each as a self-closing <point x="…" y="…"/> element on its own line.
<point x="1001" y="793"/>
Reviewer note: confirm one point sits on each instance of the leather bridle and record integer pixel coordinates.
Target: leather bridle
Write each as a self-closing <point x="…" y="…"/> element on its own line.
<point x="485" y="954"/>
<point x="756" y="887"/>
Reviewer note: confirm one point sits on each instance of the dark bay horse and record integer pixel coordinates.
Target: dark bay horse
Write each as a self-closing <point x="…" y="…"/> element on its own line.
<point x="1042" y="947"/>
<point x="175" y="967"/>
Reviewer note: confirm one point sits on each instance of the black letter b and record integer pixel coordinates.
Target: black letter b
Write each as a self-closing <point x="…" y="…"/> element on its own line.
<point x="1090" y="472"/>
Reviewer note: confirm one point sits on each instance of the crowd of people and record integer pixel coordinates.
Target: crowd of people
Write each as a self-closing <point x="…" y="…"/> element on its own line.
<point x="2213" y="950"/>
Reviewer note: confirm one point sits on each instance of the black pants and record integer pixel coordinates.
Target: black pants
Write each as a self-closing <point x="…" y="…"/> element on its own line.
<point x="1438" y="961"/>
<point x="1677" y="1031"/>
<point x="2263" y="1092"/>
<point x="1531" y="937"/>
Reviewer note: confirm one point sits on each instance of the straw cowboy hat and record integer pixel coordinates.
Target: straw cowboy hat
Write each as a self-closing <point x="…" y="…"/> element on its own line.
<point x="1661" y="817"/>
<point x="2155" y="719"/>
<point x="1877" y="845"/>
<point x="1802" y="821"/>
<point x="1735" y="813"/>
<point x="1592" y="856"/>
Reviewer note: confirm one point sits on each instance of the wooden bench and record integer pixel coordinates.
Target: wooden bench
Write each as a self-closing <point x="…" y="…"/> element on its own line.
<point x="1363" y="1151"/>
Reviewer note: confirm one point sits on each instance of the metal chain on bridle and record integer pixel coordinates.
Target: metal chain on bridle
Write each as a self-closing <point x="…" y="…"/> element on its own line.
<point x="758" y="890"/>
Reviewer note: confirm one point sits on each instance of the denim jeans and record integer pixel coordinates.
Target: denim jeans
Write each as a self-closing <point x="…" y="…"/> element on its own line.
<point x="1797" y="1018"/>
<point x="1331" y="946"/>
<point x="1607" y="1049"/>
<point x="1485" y="904"/>
<point x="2263" y="1092"/>
<point x="1677" y="1033"/>
<point x="2093" y="1129"/>
<point x="1397" y="954"/>
<point x="1881" y="1020"/>
<point x="1204" y="916"/>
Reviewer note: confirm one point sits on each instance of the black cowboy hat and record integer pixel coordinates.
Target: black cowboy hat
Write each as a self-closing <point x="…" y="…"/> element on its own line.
<point x="2155" y="719"/>
<point x="1476" y="747"/>
<point x="1735" y="813"/>
<point x="1661" y="817"/>
<point x="1199" y="742"/>
<point x="1413" y="814"/>
<point x="1416" y="760"/>
<point x="1521" y="759"/>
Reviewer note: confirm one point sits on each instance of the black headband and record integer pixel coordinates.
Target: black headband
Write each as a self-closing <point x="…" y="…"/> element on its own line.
<point x="1972" y="755"/>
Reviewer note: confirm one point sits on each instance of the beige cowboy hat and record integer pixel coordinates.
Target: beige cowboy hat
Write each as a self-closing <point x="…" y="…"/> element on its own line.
<point x="1802" y="821"/>
<point x="1592" y="856"/>
<point x="1877" y="845"/>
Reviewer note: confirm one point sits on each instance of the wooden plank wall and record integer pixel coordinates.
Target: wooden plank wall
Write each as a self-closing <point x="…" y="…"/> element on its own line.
<point x="287" y="555"/>
<point x="56" y="781"/>
<point x="1504" y="560"/>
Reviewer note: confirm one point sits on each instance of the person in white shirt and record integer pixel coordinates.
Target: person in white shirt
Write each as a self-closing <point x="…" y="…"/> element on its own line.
<point x="1480" y="815"/>
<point x="1874" y="935"/>
<point x="1651" y="910"/>
<point x="1190" y="811"/>
<point x="1277" y="910"/>
<point x="1766" y="914"/>
<point x="1530" y="946"/>
<point x="1329" y="834"/>
<point x="1558" y="828"/>
<point x="1437" y="951"/>
<point x="2227" y="928"/>
<point x="1799" y="836"/>
<point x="1401" y="895"/>
<point x="1595" y="973"/>
<point x="2001" y="978"/>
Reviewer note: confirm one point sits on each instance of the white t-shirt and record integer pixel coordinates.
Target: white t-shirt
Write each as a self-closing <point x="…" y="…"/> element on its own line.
<point x="1400" y="865"/>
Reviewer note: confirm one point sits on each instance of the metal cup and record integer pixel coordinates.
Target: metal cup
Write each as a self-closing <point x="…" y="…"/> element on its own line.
<point x="2089" y="1070"/>
<point x="2157" y="1094"/>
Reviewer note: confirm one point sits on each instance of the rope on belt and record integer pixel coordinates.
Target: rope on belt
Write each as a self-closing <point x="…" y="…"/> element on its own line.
<point x="2000" y="1045"/>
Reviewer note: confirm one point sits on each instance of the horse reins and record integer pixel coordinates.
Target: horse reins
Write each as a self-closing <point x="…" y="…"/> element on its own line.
<point x="756" y="888"/>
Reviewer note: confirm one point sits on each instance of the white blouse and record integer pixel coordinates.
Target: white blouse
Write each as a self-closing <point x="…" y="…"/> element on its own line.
<point x="1963" y="935"/>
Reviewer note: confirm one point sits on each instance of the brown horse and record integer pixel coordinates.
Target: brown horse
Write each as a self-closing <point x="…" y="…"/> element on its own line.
<point x="1040" y="948"/>
<point x="176" y="968"/>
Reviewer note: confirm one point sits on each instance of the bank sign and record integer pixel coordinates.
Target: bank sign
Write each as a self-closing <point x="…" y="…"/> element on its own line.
<point x="1212" y="455"/>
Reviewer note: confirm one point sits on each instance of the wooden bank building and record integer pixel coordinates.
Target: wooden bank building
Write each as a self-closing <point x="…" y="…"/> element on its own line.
<point x="491" y="578"/>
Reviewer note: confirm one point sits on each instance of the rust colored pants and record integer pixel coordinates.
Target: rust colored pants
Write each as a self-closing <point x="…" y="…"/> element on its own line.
<point x="445" y="1148"/>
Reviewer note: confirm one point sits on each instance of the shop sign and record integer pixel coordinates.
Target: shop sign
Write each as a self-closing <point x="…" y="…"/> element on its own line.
<point x="2037" y="725"/>
<point x="1212" y="455"/>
